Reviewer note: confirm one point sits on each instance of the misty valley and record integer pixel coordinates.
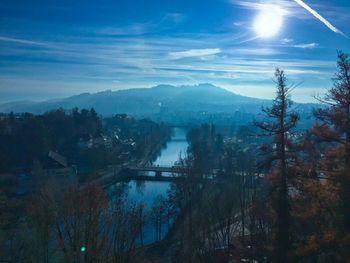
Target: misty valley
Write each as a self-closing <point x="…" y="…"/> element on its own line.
<point x="78" y="186"/>
<point x="162" y="131"/>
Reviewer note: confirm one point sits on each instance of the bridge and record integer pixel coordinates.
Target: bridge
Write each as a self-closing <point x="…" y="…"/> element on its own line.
<point x="133" y="172"/>
<point x="175" y="173"/>
<point x="158" y="169"/>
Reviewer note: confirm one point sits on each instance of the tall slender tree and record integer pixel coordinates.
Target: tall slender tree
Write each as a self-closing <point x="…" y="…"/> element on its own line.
<point x="279" y="123"/>
<point x="335" y="129"/>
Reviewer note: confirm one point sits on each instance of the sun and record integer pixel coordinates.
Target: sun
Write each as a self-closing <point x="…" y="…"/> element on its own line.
<point x="269" y="21"/>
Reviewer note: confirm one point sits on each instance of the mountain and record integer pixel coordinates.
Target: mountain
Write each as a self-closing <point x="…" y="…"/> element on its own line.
<point x="178" y="104"/>
<point x="141" y="101"/>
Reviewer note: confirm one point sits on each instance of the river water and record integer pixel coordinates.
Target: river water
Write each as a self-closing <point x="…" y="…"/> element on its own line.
<point x="147" y="191"/>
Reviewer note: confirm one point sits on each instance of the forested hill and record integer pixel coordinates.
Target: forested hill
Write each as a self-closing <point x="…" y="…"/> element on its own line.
<point x="181" y="104"/>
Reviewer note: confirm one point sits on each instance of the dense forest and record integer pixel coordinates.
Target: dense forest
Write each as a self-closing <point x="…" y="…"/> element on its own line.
<point x="268" y="193"/>
<point x="81" y="136"/>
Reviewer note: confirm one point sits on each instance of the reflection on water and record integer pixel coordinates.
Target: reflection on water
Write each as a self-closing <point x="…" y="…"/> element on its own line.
<point x="147" y="191"/>
<point x="172" y="150"/>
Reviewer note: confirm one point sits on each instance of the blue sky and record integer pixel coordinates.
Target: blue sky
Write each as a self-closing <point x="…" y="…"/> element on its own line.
<point x="57" y="48"/>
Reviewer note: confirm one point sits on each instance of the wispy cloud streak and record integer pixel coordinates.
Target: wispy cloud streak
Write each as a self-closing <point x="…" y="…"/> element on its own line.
<point x="195" y="53"/>
<point x="21" y="41"/>
<point x="306" y="46"/>
<point x="319" y="17"/>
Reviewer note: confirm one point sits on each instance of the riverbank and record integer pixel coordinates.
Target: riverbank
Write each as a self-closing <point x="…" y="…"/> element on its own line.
<point x="111" y="173"/>
<point x="154" y="151"/>
<point x="148" y="192"/>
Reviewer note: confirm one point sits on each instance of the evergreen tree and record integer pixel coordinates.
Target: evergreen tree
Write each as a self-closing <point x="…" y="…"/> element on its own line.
<point x="280" y="122"/>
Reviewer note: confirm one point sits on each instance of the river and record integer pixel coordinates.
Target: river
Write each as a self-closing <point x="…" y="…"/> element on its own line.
<point x="147" y="191"/>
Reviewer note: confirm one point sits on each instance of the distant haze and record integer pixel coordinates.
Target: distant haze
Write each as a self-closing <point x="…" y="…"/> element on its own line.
<point x="59" y="48"/>
<point x="175" y="104"/>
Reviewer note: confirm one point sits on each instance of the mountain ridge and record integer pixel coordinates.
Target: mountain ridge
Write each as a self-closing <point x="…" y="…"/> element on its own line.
<point x="160" y="89"/>
<point x="162" y="102"/>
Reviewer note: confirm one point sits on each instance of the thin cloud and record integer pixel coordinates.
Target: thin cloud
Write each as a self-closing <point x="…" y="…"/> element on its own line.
<point x="195" y="53"/>
<point x="287" y="6"/>
<point x="167" y="21"/>
<point x="248" y="40"/>
<point x="306" y="46"/>
<point x="253" y="51"/>
<point x="319" y="17"/>
<point x="252" y="4"/>
<point x="21" y="41"/>
<point x="238" y="24"/>
<point x="285" y="41"/>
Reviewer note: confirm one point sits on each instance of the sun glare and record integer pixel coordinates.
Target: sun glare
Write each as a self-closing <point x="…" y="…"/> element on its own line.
<point x="269" y="21"/>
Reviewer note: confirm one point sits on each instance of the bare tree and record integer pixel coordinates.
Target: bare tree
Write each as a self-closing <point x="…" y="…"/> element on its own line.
<point x="335" y="129"/>
<point x="81" y="225"/>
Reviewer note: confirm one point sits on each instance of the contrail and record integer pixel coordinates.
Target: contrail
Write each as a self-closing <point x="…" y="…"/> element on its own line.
<point x="319" y="17"/>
